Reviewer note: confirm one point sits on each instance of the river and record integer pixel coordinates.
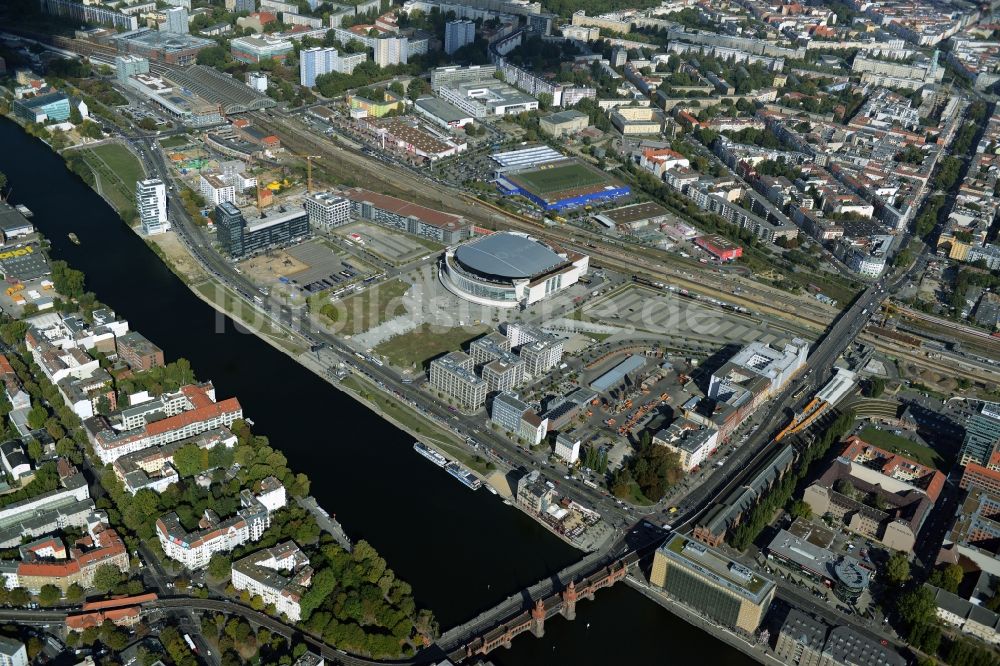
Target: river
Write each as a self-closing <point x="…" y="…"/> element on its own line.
<point x="461" y="551"/>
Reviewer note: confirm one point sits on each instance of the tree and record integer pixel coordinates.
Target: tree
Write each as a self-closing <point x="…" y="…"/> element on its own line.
<point x="75" y="593"/>
<point x="800" y="510"/>
<point x="897" y="569"/>
<point x="75" y="116"/>
<point x="544" y="101"/>
<point x="947" y="578"/>
<point x="3" y="180"/>
<point x="219" y="566"/>
<point x="49" y="595"/>
<point x="107" y="576"/>
<point x="37" y="416"/>
<point x="917" y="606"/>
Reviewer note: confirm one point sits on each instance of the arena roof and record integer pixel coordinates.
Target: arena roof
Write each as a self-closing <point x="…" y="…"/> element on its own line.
<point x="507" y="255"/>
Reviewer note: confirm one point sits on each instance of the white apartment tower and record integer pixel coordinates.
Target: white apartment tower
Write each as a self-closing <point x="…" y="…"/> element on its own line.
<point x="177" y="21"/>
<point x="457" y="34"/>
<point x="151" y="204"/>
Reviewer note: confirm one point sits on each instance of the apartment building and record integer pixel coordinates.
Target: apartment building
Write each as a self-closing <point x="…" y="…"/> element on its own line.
<point x="805" y="641"/>
<point x="189" y="412"/>
<point x="279" y="575"/>
<point x="217" y="535"/>
<point x="690" y="441"/>
<point x="48" y="562"/>
<point x="153" y="468"/>
<point x="151" y="204"/>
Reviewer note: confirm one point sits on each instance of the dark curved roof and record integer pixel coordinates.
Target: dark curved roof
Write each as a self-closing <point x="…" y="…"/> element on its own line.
<point x="507" y="256"/>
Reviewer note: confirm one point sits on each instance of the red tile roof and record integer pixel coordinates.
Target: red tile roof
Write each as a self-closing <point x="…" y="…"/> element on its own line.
<point x="931" y="479"/>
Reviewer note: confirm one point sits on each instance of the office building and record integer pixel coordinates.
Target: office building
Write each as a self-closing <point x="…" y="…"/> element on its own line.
<point x="692" y="443"/>
<point x="12" y="652"/>
<point x="327" y="210"/>
<point x="453" y="375"/>
<point x="488" y="98"/>
<point x="162" y="46"/>
<point x="982" y="437"/>
<point x="533" y="428"/>
<point x="216" y="535"/>
<point x="239" y="237"/>
<point x="567" y="448"/>
<point x="717" y="587"/>
<point x="755" y="373"/>
<point x="177" y="21"/>
<point x="52" y="106"/>
<point x="151" y="204"/>
<point x="317" y="61"/>
<point x="805" y="641"/>
<point x="507" y="412"/>
<point x="279" y="575"/>
<point x="457" y="34"/>
<point x="409" y="217"/>
<point x="130" y="65"/>
<point x="138" y="352"/>
<point x="216" y="190"/>
<point x="503" y="374"/>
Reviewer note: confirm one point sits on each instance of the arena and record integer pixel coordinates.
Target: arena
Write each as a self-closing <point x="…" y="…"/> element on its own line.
<point x="509" y="269"/>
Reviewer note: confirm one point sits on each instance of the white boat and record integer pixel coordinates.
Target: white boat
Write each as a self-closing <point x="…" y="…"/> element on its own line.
<point x="430" y="454"/>
<point x="492" y="489"/>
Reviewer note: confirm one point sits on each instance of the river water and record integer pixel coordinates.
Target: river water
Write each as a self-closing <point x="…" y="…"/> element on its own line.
<point x="461" y="551"/>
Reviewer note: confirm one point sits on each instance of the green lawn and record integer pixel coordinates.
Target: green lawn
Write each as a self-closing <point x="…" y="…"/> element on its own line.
<point x="116" y="171"/>
<point x="415" y="349"/>
<point x="175" y="141"/>
<point x="897" y="444"/>
<point x="360" y="312"/>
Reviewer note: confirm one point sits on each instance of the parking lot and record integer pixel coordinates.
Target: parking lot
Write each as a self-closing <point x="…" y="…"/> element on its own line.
<point x="311" y="266"/>
<point x="394" y="247"/>
<point x="663" y="313"/>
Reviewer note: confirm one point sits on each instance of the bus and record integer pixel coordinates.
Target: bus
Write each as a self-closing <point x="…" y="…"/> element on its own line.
<point x="187" y="639"/>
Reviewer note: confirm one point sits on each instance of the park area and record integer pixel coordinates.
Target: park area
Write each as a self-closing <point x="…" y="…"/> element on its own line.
<point x="115" y="171"/>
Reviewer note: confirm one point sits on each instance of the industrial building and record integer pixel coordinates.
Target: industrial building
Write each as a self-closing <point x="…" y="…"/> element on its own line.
<point x="719" y="588"/>
<point x="240" y="237"/>
<point x="721" y="248"/>
<point x="509" y="270"/>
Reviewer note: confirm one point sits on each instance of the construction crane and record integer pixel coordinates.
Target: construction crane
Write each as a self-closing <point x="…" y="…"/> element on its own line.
<point x="309" y="170"/>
